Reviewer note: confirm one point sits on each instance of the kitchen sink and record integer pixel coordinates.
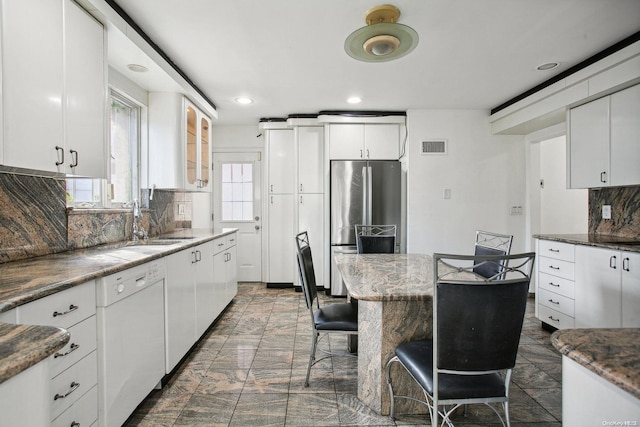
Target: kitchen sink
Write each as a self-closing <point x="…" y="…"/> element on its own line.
<point x="150" y="242"/>
<point x="174" y="238"/>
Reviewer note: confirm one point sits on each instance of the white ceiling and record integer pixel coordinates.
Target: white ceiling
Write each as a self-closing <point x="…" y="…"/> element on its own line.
<point x="288" y="55"/>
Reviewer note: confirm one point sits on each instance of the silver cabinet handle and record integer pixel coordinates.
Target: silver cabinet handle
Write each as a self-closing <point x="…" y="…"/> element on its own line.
<point x="300" y="199"/>
<point x="554" y="250"/>
<point x="625" y="264"/>
<point x="271" y="186"/>
<point x="195" y="257"/>
<point x="361" y="156"/>
<point x="60" y="152"/>
<point x="301" y="188"/>
<point x="555" y="320"/>
<point x="73" y="347"/>
<point x="71" y="308"/>
<point x="74" y="158"/>
<point x="73" y="387"/>
<point x="613" y="262"/>
<point x="603" y="176"/>
<point x="368" y="156"/>
<point x="554" y="268"/>
<point x="554" y="302"/>
<point x="74" y="424"/>
<point x="198" y="256"/>
<point x="553" y="284"/>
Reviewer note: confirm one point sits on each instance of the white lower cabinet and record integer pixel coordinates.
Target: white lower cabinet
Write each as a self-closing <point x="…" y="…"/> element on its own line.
<point x="225" y="271"/>
<point x="281" y="253"/>
<point x="180" y="307"/>
<point x="600" y="288"/>
<point x="25" y="399"/>
<point x="73" y="369"/>
<point x="311" y="220"/>
<point x="205" y="291"/>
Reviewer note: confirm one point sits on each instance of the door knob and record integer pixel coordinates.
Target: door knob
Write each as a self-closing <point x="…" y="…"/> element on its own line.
<point x="257" y="218"/>
<point x="257" y="227"/>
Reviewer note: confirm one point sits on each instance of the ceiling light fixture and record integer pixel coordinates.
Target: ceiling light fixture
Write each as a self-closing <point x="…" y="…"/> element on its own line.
<point x="354" y="100"/>
<point x="547" y="66"/>
<point x="383" y="39"/>
<point x="137" y="68"/>
<point x="244" y="100"/>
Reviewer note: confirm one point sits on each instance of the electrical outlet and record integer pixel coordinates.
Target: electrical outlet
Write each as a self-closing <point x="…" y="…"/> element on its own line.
<point x="446" y="193"/>
<point x="515" y="210"/>
<point x="606" y="211"/>
<point x="180" y="209"/>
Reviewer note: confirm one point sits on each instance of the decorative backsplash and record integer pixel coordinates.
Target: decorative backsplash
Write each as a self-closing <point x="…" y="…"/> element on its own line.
<point x="625" y="211"/>
<point x="35" y="221"/>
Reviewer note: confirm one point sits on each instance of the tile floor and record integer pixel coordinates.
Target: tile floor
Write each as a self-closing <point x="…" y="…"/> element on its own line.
<point x="249" y="370"/>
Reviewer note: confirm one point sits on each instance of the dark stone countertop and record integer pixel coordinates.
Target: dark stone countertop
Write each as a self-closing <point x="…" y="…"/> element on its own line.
<point x="611" y="353"/>
<point x="27" y="280"/>
<point x="619" y="243"/>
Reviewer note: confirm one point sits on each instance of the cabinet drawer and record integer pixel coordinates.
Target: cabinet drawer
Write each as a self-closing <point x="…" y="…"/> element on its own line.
<point x="556" y="267"/>
<point x="556" y="302"/>
<point x="83" y="413"/>
<point x="219" y="245"/>
<point x="556" y="250"/>
<point x="231" y="239"/>
<point x="81" y="343"/>
<point x="62" y="309"/>
<point x="71" y="384"/>
<point x="555" y="318"/>
<point x="556" y="285"/>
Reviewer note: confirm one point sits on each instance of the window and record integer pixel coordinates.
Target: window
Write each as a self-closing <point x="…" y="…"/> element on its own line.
<point x="237" y="192"/>
<point x="124" y="150"/>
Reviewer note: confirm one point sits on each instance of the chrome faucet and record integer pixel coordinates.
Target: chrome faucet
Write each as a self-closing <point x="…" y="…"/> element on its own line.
<point x="137" y="215"/>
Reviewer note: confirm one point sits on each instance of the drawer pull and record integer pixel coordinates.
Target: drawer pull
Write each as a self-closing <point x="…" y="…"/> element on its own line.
<point x="554" y="250"/>
<point x="73" y="347"/>
<point x="555" y="320"/>
<point x="554" y="268"/>
<point x="74" y="424"/>
<point x="554" y="302"/>
<point x="71" y="308"/>
<point x="74" y="386"/>
<point x="625" y="264"/>
<point x="613" y="262"/>
<point x="553" y="284"/>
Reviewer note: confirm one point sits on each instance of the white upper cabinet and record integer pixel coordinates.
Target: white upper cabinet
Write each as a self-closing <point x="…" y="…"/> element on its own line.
<point x="364" y="141"/>
<point x="85" y="83"/>
<point x="32" y="83"/>
<point x="310" y="159"/>
<point x="53" y="88"/>
<point x="282" y="166"/>
<point x="625" y="137"/>
<point x="179" y="143"/>
<point x="604" y="141"/>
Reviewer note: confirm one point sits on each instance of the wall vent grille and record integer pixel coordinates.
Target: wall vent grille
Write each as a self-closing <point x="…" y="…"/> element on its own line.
<point x="434" y="147"/>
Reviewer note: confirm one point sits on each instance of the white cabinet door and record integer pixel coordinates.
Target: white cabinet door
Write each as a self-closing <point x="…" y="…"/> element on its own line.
<point x="206" y="310"/>
<point x="281" y="161"/>
<point x="232" y="275"/>
<point x="281" y="253"/>
<point x="311" y="220"/>
<point x="597" y="288"/>
<point x="382" y="141"/>
<point x="32" y="83"/>
<point x="346" y="141"/>
<point x="625" y="137"/>
<point x="220" y="280"/>
<point x="180" y="307"/>
<point x="589" y="144"/>
<point x="630" y="290"/>
<point x="310" y="159"/>
<point x="85" y="93"/>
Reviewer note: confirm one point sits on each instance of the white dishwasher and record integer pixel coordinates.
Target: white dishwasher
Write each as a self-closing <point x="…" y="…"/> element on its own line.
<point x="130" y="318"/>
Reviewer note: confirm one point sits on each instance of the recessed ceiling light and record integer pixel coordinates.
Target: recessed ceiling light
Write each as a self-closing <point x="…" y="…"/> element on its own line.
<point x="137" y="68"/>
<point x="244" y="100"/>
<point x="354" y="100"/>
<point x="547" y="66"/>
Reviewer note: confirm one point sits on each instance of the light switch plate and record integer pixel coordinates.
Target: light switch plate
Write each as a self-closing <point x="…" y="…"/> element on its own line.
<point x="606" y="211"/>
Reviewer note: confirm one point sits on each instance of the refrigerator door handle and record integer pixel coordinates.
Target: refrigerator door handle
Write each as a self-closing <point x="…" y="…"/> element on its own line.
<point x="369" y="196"/>
<point x="365" y="195"/>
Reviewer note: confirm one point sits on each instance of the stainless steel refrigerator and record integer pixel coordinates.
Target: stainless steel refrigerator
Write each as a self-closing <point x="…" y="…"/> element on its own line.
<point x="362" y="192"/>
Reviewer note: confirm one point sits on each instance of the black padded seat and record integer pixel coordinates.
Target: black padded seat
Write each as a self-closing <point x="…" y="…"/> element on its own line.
<point x="417" y="358"/>
<point x="334" y="317"/>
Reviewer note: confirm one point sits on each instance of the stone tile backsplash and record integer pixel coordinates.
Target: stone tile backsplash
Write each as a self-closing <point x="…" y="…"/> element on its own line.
<point x="35" y="221"/>
<point x="625" y="211"/>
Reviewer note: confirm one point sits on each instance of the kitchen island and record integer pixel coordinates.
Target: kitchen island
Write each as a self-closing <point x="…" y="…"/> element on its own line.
<point x="395" y="305"/>
<point x="600" y="376"/>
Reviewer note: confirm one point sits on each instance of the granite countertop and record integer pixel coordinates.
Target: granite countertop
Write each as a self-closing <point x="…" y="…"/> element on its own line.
<point x="27" y="280"/>
<point x="22" y="346"/>
<point x="387" y="277"/>
<point x="612" y="353"/>
<point x="629" y="244"/>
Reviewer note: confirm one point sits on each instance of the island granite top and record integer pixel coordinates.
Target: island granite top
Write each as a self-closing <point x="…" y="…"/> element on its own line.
<point x="611" y="353"/>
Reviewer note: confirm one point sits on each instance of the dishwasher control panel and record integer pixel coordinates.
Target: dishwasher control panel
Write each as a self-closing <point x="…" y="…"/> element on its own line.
<point x="111" y="289"/>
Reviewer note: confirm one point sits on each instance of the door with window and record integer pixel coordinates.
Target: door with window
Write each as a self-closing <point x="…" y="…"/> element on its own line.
<point x="237" y="204"/>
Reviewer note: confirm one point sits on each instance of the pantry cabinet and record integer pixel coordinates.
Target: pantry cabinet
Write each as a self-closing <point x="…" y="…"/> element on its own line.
<point x="604" y="141"/>
<point x="204" y="282"/>
<point x="179" y="143"/>
<point x="368" y="141"/>
<point x="281" y="252"/>
<point x="310" y="144"/>
<point x="54" y="97"/>
<point x="280" y="152"/>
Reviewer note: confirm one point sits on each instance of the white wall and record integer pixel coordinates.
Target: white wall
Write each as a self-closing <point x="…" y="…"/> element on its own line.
<point x="562" y="210"/>
<point x="237" y="138"/>
<point x="486" y="175"/>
